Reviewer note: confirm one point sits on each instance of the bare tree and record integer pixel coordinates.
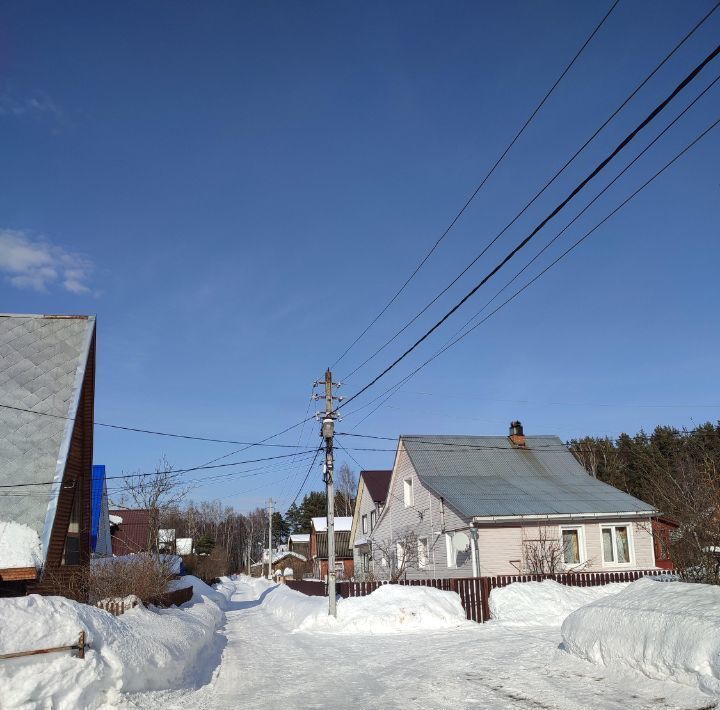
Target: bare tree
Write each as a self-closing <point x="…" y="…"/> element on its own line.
<point x="157" y="493"/>
<point x="544" y="554"/>
<point x="397" y="555"/>
<point x="346" y="489"/>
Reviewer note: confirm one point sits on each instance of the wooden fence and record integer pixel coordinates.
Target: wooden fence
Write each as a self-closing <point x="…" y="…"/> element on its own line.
<point x="475" y="592"/>
<point x="116" y="607"/>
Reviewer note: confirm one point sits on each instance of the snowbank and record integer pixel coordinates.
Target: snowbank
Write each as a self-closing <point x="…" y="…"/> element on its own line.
<point x="144" y="649"/>
<point x="545" y="603"/>
<point x="19" y="546"/>
<point x="663" y="629"/>
<point x="389" y="609"/>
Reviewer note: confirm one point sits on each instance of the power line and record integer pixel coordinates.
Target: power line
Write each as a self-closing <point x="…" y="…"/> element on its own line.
<point x="307" y="474"/>
<point x="537" y="194"/>
<point x="394" y="388"/>
<point x="601" y="166"/>
<point x="161" y="433"/>
<point x="482" y="183"/>
<point x="171" y="471"/>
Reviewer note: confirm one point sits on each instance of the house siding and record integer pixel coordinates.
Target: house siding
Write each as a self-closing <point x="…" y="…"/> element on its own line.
<point x="364" y="506"/>
<point x="424" y="518"/>
<point x="501" y="547"/>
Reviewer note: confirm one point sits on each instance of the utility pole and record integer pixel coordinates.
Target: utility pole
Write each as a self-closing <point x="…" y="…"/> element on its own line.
<point x="270" y="514"/>
<point x="328" y="434"/>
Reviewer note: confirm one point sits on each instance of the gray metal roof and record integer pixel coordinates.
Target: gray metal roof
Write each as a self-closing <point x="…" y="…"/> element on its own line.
<point x="42" y="363"/>
<point x="486" y="476"/>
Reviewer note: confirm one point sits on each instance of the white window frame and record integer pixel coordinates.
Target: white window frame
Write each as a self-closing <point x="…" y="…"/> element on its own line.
<point x="631" y="544"/>
<point x="451" y="558"/>
<point x="364" y="524"/>
<point x="408" y="492"/>
<point x="582" y="550"/>
<point x="423" y="552"/>
<point x="373" y="520"/>
<point x="400" y="552"/>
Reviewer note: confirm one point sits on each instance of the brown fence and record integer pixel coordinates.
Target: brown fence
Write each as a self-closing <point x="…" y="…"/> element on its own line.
<point x="310" y="588"/>
<point x="475" y="592"/>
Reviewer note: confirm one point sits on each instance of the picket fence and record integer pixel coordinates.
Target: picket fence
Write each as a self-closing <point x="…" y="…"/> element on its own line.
<point x="474" y="592"/>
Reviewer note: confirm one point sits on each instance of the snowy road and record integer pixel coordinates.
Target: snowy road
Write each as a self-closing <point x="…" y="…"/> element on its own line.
<point x="475" y="666"/>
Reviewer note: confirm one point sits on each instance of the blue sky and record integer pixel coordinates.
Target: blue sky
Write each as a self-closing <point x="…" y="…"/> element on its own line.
<point x="237" y="189"/>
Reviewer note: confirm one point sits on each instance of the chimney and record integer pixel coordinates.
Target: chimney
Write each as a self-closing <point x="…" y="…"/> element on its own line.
<point x="516" y="434"/>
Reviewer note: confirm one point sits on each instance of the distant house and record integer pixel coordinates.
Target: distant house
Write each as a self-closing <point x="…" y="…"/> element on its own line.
<point x="289" y="564"/>
<point x="489" y="505"/>
<point x="344" y="566"/>
<point x="47" y="372"/>
<point x="132" y="533"/>
<point x="300" y="543"/>
<point x="369" y="503"/>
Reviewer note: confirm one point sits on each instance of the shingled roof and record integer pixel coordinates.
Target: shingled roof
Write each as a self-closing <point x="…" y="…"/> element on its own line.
<point x="42" y="365"/>
<point x="488" y="476"/>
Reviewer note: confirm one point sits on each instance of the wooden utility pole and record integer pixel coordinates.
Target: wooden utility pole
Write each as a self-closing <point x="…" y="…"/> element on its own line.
<point x="328" y="434"/>
<point x="270" y="516"/>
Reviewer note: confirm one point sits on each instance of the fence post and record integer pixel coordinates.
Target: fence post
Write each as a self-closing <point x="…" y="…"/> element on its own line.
<point x="485" y="597"/>
<point x="81" y="645"/>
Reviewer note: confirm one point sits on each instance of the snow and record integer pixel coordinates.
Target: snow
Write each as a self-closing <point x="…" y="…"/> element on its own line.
<point x="389" y="609"/>
<point x="300" y="537"/>
<point x="19" y="546"/>
<point x="471" y="666"/>
<point x="662" y="629"/>
<point x="545" y="603"/>
<point x="115" y="519"/>
<point x="140" y="650"/>
<point x="342" y="524"/>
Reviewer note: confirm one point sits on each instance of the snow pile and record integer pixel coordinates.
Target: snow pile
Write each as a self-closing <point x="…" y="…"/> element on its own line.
<point x="545" y="603"/>
<point x="391" y="608"/>
<point x="144" y="649"/>
<point x="662" y="629"/>
<point x="19" y="546"/>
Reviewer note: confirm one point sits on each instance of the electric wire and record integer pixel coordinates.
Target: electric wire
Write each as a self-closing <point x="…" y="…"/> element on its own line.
<point x="537" y="194"/>
<point x="601" y="166"/>
<point x="388" y="393"/>
<point x="481" y="184"/>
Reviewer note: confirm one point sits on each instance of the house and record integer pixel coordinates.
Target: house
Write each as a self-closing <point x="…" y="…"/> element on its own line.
<point x="290" y="564"/>
<point x="132" y="534"/>
<point x="369" y="503"/>
<point x="47" y="376"/>
<point x="300" y="542"/>
<point x="489" y="505"/>
<point x="100" y="542"/>
<point x="344" y="567"/>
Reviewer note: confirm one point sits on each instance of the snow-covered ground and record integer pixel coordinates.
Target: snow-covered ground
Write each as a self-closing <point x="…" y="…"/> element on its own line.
<point x="280" y="654"/>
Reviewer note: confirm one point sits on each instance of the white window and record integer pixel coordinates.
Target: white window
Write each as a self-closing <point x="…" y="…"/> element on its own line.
<point x="451" y="553"/>
<point x="572" y="546"/>
<point x="616" y="544"/>
<point x="408" y="492"/>
<point x="364" y="524"/>
<point x="422" y="552"/>
<point x="372" y="520"/>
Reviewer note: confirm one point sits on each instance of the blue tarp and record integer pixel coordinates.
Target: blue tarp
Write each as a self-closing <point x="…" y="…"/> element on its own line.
<point x="98" y="486"/>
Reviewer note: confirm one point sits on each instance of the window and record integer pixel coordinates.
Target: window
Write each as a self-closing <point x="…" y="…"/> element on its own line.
<point x="616" y="545"/>
<point x="408" y="492"/>
<point x="372" y="520"/>
<point x="422" y="544"/>
<point x="571" y="546"/>
<point x="451" y="554"/>
<point x="364" y="524"/>
<point x="71" y="553"/>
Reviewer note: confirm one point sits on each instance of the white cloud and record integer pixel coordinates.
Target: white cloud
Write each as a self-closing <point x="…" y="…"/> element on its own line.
<point x="38" y="265"/>
<point x="37" y="106"/>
